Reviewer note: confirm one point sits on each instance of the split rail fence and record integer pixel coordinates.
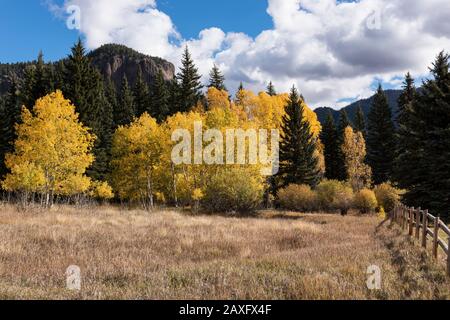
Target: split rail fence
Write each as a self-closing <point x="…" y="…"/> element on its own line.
<point x="425" y="228"/>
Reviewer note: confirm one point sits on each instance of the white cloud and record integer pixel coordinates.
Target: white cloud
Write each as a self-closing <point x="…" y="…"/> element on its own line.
<point x="323" y="46"/>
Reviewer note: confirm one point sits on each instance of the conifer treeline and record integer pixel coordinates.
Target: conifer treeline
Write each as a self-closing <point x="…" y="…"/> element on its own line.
<point x="414" y="156"/>
<point x="101" y="107"/>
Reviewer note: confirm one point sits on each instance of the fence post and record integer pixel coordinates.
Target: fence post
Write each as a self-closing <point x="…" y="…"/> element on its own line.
<point x="448" y="258"/>
<point x="436" y="237"/>
<point x="405" y="217"/>
<point x="418" y="223"/>
<point x="411" y="221"/>
<point x="425" y="229"/>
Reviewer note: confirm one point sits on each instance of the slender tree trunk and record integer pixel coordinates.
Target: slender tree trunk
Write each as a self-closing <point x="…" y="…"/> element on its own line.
<point x="150" y="190"/>
<point x="174" y="184"/>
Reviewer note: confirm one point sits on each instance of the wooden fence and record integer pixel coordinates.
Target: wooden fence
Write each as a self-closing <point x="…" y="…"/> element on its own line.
<point x="423" y="226"/>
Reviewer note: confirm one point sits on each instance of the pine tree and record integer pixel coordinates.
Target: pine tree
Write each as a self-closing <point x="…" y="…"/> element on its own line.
<point x="42" y="79"/>
<point x="344" y="122"/>
<point x="173" y="100"/>
<point x="217" y="79"/>
<point x="239" y="93"/>
<point x="329" y="138"/>
<point x="111" y="96"/>
<point x="381" y="139"/>
<point x="360" y="122"/>
<point x="141" y="94"/>
<point x="406" y="142"/>
<point x="271" y="89"/>
<point x="190" y="86"/>
<point x="428" y="129"/>
<point x="124" y="112"/>
<point x="160" y="98"/>
<point x="27" y="88"/>
<point x="83" y="86"/>
<point x="58" y="75"/>
<point x="298" y="163"/>
<point x="76" y="82"/>
<point x="10" y="115"/>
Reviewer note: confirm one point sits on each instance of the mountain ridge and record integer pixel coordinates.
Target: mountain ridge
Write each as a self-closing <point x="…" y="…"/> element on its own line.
<point x="351" y="109"/>
<point x="112" y="60"/>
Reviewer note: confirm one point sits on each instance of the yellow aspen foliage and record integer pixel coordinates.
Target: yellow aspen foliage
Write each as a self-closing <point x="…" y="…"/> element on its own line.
<point x="25" y="177"/>
<point x="137" y="153"/>
<point x="354" y="150"/>
<point x="52" y="151"/>
<point x="267" y="112"/>
<point x="218" y="99"/>
<point x="101" y="190"/>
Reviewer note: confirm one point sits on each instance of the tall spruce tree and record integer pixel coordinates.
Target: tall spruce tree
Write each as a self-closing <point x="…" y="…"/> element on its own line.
<point x="428" y="127"/>
<point x="189" y="83"/>
<point x="271" y="89"/>
<point x="329" y="138"/>
<point x="160" y="98"/>
<point x="83" y="86"/>
<point x="173" y="100"/>
<point x="298" y="163"/>
<point x="381" y="138"/>
<point x="38" y="82"/>
<point x="217" y="79"/>
<point x="58" y="75"/>
<point x="28" y="85"/>
<point x="406" y="151"/>
<point x="124" y="113"/>
<point x="77" y="74"/>
<point x="141" y="94"/>
<point x="111" y="96"/>
<point x="341" y="168"/>
<point x="10" y="115"/>
<point x="43" y="81"/>
<point x="360" y="121"/>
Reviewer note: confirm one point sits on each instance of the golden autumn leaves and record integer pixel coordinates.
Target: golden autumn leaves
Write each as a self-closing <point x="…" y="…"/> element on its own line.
<point x="53" y="151"/>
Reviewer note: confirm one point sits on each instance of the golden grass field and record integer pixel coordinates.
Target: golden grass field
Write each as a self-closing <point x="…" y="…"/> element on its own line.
<point x="173" y="255"/>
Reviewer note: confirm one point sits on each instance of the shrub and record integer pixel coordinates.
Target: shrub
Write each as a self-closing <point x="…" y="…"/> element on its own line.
<point x="387" y="196"/>
<point x="335" y="195"/>
<point x="344" y="199"/>
<point x="101" y="190"/>
<point x="366" y="201"/>
<point x="298" y="198"/>
<point x="234" y="190"/>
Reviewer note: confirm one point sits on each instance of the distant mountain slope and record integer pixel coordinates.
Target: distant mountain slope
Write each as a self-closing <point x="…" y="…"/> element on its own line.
<point x="366" y="104"/>
<point x="111" y="60"/>
<point x="115" y="61"/>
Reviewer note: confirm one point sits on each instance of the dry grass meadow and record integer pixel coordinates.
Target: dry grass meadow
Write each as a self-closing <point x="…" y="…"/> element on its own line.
<point x="172" y="255"/>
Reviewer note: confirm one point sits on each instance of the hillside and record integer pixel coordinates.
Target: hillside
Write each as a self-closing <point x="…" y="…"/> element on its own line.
<point x="111" y="60"/>
<point x="351" y="109"/>
<point x="115" y="61"/>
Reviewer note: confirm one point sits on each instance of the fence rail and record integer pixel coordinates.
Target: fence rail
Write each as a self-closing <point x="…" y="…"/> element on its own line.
<point x="425" y="227"/>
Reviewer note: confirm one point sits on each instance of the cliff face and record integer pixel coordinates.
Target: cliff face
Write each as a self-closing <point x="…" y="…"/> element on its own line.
<point x="115" y="61"/>
<point x="111" y="60"/>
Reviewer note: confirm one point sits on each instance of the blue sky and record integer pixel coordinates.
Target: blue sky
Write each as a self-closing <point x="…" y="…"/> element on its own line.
<point x="27" y="26"/>
<point x="334" y="51"/>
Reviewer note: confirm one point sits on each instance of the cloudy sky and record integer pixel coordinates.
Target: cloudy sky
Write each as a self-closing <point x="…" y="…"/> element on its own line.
<point x="334" y="51"/>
